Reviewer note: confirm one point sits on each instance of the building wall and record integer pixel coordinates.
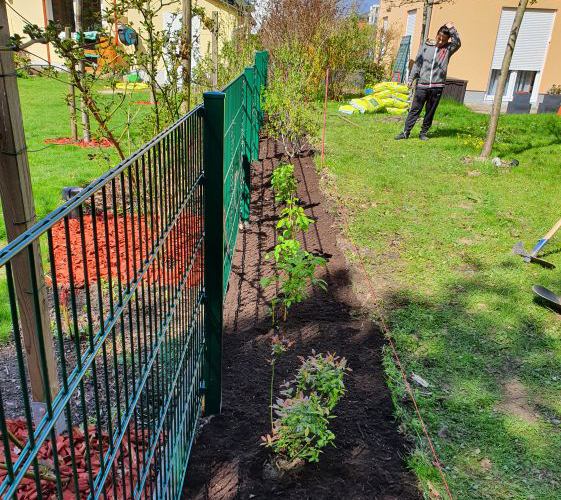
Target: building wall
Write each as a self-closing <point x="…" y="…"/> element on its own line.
<point x="32" y="10"/>
<point x="229" y="19"/>
<point x="478" y="22"/>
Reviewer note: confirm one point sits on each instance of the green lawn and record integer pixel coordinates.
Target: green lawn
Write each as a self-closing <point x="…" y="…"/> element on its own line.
<point x="436" y="230"/>
<point x="45" y="116"/>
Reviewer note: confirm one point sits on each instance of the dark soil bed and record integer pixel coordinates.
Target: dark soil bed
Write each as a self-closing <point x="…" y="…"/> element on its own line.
<point x="227" y="462"/>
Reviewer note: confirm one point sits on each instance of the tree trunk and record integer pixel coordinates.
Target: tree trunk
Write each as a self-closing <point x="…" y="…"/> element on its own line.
<point x="426" y="6"/>
<point x="85" y="117"/>
<point x="72" y="99"/>
<point x="186" y="50"/>
<point x="498" y="101"/>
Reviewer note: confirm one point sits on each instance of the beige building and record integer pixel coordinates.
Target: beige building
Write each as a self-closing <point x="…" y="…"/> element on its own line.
<point x="230" y="15"/>
<point x="484" y="27"/>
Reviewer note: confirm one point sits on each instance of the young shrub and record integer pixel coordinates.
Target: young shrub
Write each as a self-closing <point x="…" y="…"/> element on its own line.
<point x="301" y="430"/>
<point x="295" y="271"/>
<point x="323" y="374"/>
<point x="284" y="183"/>
<point x="293" y="218"/>
<point x="291" y="118"/>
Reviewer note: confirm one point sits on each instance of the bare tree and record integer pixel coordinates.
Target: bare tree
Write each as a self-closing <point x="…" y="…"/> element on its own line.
<point x="296" y="21"/>
<point x="497" y="103"/>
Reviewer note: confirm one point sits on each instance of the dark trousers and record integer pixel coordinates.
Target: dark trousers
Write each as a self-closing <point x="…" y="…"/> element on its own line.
<point x="429" y="97"/>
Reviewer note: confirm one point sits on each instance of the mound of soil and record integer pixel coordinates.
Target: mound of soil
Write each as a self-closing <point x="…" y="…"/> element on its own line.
<point x="227" y="462"/>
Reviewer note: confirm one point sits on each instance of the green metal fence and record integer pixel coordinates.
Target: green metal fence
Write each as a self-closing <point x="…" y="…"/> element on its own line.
<point x="138" y="264"/>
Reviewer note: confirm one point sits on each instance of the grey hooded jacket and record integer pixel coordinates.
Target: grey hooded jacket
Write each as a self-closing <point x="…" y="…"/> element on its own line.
<point x="431" y="63"/>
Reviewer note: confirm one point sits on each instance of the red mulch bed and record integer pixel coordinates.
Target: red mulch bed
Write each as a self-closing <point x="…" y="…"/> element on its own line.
<point x="28" y="490"/>
<point x="172" y="267"/>
<point x="66" y="141"/>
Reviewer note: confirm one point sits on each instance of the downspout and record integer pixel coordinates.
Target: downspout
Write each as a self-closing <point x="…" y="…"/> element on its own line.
<point x="46" y="21"/>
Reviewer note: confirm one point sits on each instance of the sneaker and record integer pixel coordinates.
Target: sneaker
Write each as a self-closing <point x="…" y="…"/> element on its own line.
<point x="403" y="135"/>
<point x="423" y="136"/>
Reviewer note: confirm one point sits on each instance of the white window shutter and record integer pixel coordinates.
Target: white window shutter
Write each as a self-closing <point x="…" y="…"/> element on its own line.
<point x="532" y="43"/>
<point x="411" y="21"/>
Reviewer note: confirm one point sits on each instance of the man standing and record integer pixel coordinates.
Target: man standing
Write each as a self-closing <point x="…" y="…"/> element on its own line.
<point x="431" y="66"/>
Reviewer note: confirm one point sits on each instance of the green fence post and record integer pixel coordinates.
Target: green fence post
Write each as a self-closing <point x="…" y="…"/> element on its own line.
<point x="213" y="158"/>
<point x="247" y="142"/>
<point x="261" y="64"/>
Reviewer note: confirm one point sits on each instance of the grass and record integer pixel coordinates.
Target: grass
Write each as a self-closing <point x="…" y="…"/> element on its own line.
<point x="45" y="116"/>
<point x="437" y="231"/>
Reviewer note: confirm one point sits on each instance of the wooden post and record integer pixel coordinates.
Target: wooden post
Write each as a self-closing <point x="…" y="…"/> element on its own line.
<point x="72" y="98"/>
<point x="19" y="215"/>
<point x="186" y="50"/>
<point x="85" y="117"/>
<point x="215" y="50"/>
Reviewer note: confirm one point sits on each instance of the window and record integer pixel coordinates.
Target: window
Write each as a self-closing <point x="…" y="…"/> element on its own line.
<point x="525" y="81"/>
<point x="518" y="81"/>
<point x="411" y="22"/>
<point x="63" y="13"/>
<point x="494" y="81"/>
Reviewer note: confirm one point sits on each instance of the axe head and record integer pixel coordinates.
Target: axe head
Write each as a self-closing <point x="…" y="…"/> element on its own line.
<point x="519" y="249"/>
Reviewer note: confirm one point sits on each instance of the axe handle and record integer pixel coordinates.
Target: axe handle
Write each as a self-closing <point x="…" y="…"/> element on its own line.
<point x="546" y="238"/>
<point x="553" y="230"/>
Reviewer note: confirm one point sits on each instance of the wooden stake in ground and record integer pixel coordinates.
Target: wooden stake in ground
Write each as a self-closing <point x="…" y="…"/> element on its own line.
<point x="85" y="117"/>
<point x="497" y="103"/>
<point x="19" y="215"/>
<point x="72" y="99"/>
<point x="186" y="49"/>
<point x="215" y="50"/>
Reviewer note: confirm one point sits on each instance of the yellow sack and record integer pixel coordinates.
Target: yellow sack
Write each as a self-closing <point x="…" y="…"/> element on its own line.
<point x="396" y="103"/>
<point x="384" y="86"/>
<point x="383" y="93"/>
<point x="401" y="88"/>
<point x="396" y="111"/>
<point x="372" y="99"/>
<point x="386" y="102"/>
<point x="348" y="110"/>
<point x="131" y="86"/>
<point x="363" y="105"/>
<point x="401" y="97"/>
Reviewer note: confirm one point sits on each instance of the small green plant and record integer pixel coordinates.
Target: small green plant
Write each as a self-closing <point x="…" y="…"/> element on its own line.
<point x="284" y="183"/>
<point x="295" y="271"/>
<point x="323" y="374"/>
<point x="301" y="430"/>
<point x="293" y="217"/>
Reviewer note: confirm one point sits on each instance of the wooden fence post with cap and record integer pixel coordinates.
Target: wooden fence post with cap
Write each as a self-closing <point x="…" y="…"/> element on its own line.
<point x="19" y="215"/>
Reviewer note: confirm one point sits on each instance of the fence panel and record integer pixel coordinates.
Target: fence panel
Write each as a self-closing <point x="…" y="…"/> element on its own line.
<point x="127" y="298"/>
